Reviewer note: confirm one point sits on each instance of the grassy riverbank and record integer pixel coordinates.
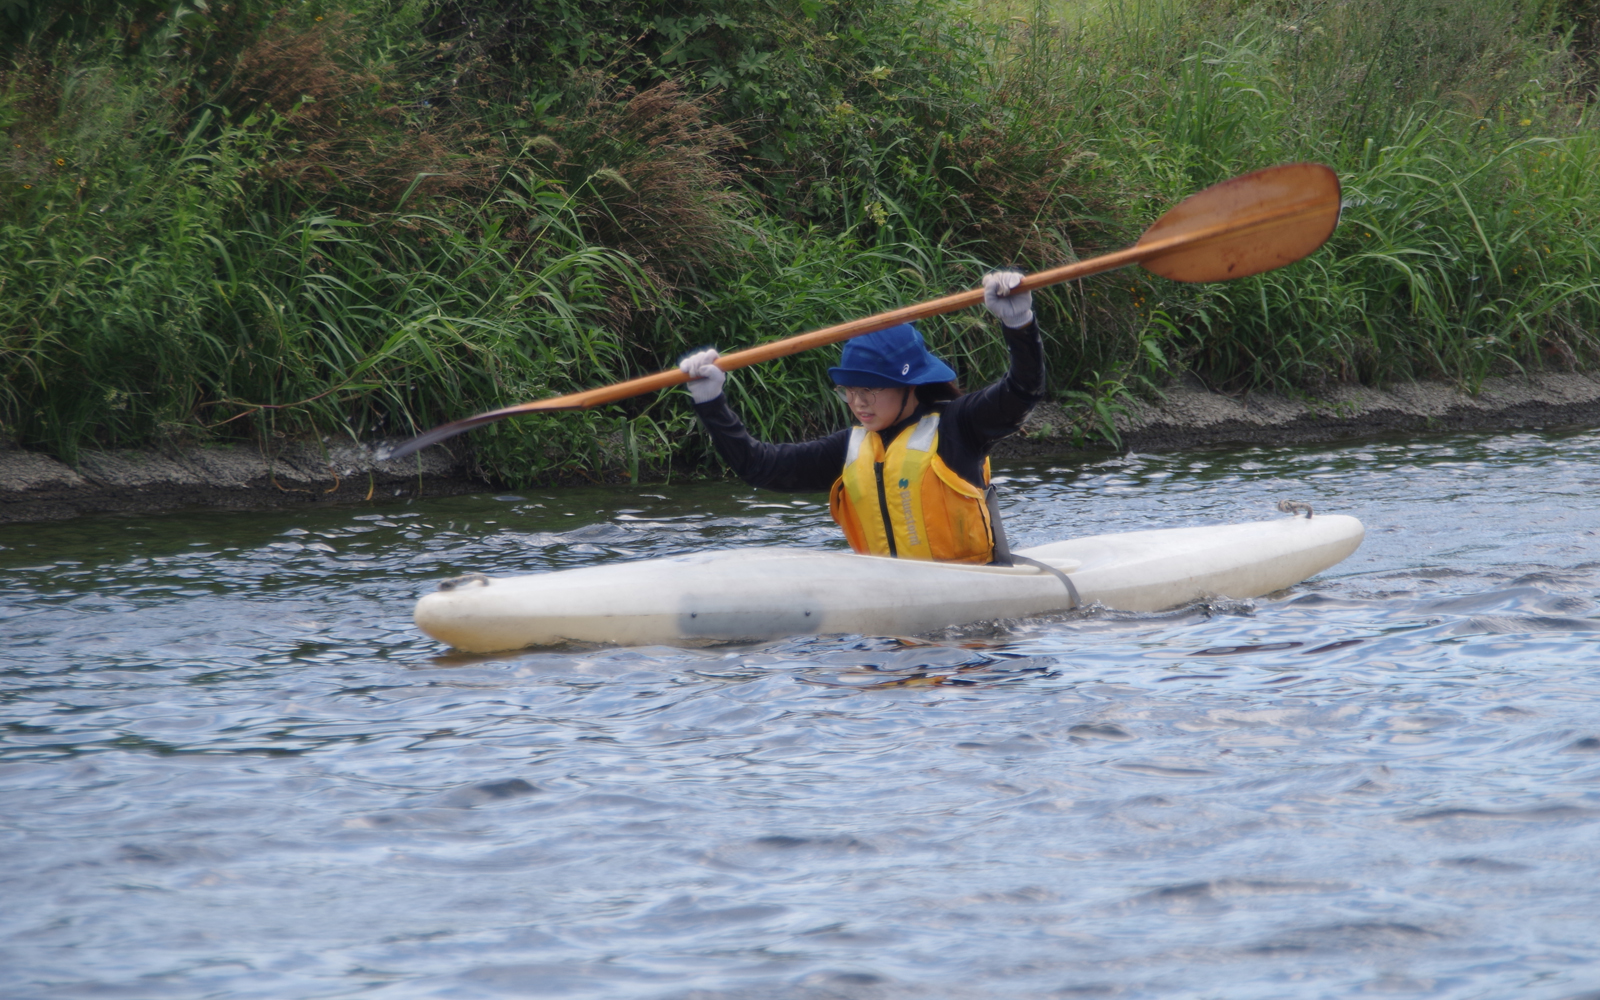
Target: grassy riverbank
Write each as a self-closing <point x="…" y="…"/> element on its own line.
<point x="347" y="216"/>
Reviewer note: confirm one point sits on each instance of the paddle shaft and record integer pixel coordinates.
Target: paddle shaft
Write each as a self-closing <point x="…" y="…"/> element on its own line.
<point x="934" y="307"/>
<point x="1297" y="199"/>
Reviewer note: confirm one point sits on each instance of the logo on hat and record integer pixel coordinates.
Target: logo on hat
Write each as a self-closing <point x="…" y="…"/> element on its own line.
<point x="896" y="356"/>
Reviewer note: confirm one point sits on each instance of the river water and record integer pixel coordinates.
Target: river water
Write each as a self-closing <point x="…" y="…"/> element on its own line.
<point x="230" y="767"/>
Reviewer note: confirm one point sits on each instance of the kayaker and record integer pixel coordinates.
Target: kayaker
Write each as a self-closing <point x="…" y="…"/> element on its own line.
<point x="910" y="480"/>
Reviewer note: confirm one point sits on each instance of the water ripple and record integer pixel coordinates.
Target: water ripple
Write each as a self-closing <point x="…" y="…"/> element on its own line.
<point x="231" y="767"/>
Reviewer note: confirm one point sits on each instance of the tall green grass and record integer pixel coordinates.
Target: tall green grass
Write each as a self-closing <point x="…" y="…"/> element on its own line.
<point x="1467" y="151"/>
<point x="169" y="305"/>
<point x="259" y="224"/>
<point x="167" y="296"/>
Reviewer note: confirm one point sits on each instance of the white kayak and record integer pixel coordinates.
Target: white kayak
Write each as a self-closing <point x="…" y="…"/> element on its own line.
<point x="768" y="593"/>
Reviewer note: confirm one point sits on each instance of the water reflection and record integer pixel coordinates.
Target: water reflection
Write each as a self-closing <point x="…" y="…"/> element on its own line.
<point x="230" y="766"/>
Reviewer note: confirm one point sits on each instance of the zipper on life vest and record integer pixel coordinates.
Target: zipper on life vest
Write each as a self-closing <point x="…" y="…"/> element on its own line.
<point x="883" y="508"/>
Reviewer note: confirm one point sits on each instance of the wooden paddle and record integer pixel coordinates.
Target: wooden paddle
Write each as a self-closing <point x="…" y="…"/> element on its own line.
<point x="1250" y="224"/>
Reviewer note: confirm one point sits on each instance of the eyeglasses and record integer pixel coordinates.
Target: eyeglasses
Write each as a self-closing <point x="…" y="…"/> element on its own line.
<point x="852" y="394"/>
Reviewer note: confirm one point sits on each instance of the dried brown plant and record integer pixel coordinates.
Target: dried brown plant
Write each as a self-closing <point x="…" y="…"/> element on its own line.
<point x="1019" y="197"/>
<point x="340" y="128"/>
<point x="643" y="170"/>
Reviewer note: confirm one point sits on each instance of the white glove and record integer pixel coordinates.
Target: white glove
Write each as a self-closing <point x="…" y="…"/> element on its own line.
<point x="1012" y="309"/>
<point x="706" y="377"/>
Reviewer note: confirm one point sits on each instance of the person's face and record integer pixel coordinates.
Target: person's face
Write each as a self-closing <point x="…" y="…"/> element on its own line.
<point x="878" y="409"/>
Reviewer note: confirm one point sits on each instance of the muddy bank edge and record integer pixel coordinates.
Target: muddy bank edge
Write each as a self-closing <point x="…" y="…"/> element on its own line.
<point x="1191" y="417"/>
<point x="35" y="487"/>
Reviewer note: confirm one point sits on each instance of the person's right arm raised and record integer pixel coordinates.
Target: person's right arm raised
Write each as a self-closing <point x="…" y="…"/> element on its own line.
<point x="805" y="467"/>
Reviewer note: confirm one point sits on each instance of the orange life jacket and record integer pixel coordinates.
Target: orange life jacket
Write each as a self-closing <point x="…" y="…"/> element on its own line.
<point x="904" y="501"/>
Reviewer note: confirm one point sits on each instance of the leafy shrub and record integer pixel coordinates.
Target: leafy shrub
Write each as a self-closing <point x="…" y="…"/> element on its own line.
<point x="244" y="221"/>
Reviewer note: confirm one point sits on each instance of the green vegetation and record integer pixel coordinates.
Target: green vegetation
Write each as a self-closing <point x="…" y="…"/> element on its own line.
<point x="254" y="221"/>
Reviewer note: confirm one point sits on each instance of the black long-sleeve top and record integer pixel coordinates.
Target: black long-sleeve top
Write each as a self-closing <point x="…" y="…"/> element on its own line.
<point x="969" y="426"/>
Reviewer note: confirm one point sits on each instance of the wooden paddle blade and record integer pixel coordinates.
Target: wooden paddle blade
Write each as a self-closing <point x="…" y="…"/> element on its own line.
<point x="446" y="431"/>
<point x="573" y="401"/>
<point x="1296" y="207"/>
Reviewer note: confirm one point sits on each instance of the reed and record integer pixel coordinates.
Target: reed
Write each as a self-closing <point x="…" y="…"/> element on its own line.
<point x="1466" y="149"/>
<point x="263" y="224"/>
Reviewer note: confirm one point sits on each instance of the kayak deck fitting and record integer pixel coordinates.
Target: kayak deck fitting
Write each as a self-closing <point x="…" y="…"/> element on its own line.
<point x="744" y="595"/>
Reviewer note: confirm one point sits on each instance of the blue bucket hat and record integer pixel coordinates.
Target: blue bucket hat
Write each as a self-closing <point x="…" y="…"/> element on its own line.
<point x="896" y="356"/>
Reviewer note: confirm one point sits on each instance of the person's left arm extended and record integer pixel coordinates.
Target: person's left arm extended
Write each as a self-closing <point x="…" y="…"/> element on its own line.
<point x="989" y="414"/>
